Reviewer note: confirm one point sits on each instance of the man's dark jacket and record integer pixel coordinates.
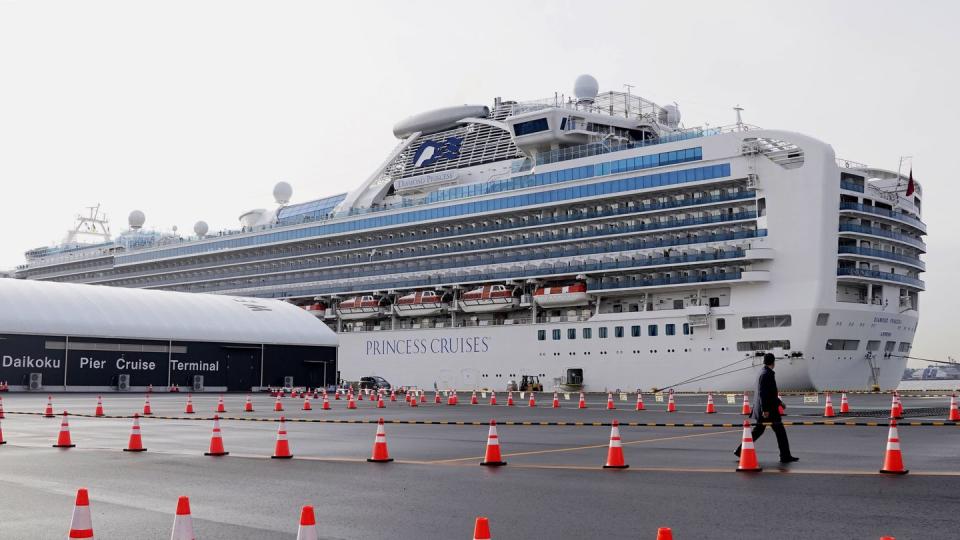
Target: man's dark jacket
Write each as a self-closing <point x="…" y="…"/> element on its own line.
<point x="768" y="398"/>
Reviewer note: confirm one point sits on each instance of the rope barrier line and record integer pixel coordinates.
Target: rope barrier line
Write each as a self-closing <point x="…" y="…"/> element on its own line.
<point x="524" y="423"/>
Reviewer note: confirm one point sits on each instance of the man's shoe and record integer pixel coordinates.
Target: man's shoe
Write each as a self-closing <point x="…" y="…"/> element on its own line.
<point x="789" y="459"/>
<point x="736" y="452"/>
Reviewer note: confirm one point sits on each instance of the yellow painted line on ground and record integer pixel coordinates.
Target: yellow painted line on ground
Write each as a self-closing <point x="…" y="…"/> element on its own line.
<point x="577" y="448"/>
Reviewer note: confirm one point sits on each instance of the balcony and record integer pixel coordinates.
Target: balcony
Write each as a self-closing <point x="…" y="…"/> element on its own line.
<point x="883" y="212"/>
<point x="877" y="231"/>
<point x="851" y="186"/>
<point x="882" y="254"/>
<point x="883" y="276"/>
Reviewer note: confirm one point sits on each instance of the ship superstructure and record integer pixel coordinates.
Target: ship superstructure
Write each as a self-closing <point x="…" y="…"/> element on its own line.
<point x="591" y="241"/>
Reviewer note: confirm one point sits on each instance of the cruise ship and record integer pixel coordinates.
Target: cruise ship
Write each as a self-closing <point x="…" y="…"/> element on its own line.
<point x="590" y="242"/>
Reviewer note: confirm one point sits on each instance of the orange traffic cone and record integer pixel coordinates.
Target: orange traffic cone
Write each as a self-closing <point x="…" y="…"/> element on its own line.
<point x="664" y="533"/>
<point x="894" y="408"/>
<point x="893" y="459"/>
<point x="473" y="398"/>
<point x="189" y="408"/>
<point x="954" y="413"/>
<point x="582" y="403"/>
<point x="452" y="399"/>
<point x="492" y="456"/>
<point x="780" y="409"/>
<point x="533" y="401"/>
<point x="745" y="410"/>
<point x="1" y="436"/>
<point x="306" y="403"/>
<point x="221" y="408"/>
<point x="326" y="403"/>
<point x="147" y="411"/>
<point x="182" y="521"/>
<point x="282" y="449"/>
<point x="351" y="404"/>
<point x="711" y="409"/>
<point x="844" y="404"/>
<point x="510" y="399"/>
<point x="899" y="405"/>
<point x="671" y="404"/>
<point x="336" y="395"/>
<point x="81" y="526"/>
<point x="278" y="405"/>
<point x="413" y="401"/>
<point x="640" y="406"/>
<point x="828" y="406"/>
<point x="136" y="442"/>
<point x="308" y="524"/>
<point x="1" y="409"/>
<point x="610" y="405"/>
<point x="615" y="450"/>
<point x="248" y="405"/>
<point x="493" y="398"/>
<point x="556" y="401"/>
<point x="481" y="529"/>
<point x="216" y="440"/>
<point x="48" y="410"/>
<point x="393" y="395"/>
<point x="97" y="412"/>
<point x="380" y="403"/>
<point x="748" y="453"/>
<point x="436" y="397"/>
<point x="380" y="454"/>
<point x="63" y="439"/>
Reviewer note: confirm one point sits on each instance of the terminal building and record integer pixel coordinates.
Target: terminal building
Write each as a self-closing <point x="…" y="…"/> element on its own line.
<point x="69" y="337"/>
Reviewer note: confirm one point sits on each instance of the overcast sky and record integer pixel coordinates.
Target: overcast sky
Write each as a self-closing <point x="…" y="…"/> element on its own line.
<point x="193" y="110"/>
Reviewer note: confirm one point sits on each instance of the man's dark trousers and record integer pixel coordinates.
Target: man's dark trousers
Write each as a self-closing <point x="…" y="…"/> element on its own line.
<point x="781" y="434"/>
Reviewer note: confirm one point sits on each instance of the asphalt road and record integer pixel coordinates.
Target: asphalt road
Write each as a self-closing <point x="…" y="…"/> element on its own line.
<point x="553" y="487"/>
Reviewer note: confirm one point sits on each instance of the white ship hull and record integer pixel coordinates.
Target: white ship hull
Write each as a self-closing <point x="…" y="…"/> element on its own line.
<point x="488" y="357"/>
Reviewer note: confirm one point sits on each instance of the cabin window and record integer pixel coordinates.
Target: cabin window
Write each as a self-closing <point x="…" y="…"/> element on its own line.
<point x="904" y="347"/>
<point x="744" y="346"/>
<point x="671" y="329"/>
<point x="767" y="321"/>
<point x="602" y="332"/>
<point x="541" y="335"/>
<point x="635" y="331"/>
<point x="843" y="344"/>
<point x="873" y="345"/>
<point x="678" y="304"/>
<point x="721" y="324"/>
<point x="618" y="331"/>
<point x="822" y="319"/>
<point x="571" y="333"/>
<point x="587" y="333"/>
<point x="532" y="126"/>
<point x="686" y="329"/>
<point x="618" y="308"/>
<point x="556" y="334"/>
<point x="652" y="330"/>
<point x="714" y="301"/>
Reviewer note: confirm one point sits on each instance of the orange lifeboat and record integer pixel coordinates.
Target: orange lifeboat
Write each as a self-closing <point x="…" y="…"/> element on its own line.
<point x="559" y="296"/>
<point x="360" y="307"/>
<point x="419" y="304"/>
<point x="488" y="298"/>
<point x="317" y="309"/>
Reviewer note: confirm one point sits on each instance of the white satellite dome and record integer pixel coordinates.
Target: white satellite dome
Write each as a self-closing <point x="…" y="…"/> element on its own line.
<point x="282" y="192"/>
<point x="201" y="228"/>
<point x="585" y="88"/>
<point x="673" y="114"/>
<point x="136" y="219"/>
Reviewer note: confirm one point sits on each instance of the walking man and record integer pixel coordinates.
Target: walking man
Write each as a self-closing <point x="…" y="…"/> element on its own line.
<point x="766" y="410"/>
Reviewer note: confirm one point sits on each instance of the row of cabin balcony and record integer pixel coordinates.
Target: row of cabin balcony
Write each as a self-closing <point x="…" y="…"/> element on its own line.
<point x="616" y="231"/>
<point x="574" y="213"/>
<point x="617" y="240"/>
<point x="869" y="249"/>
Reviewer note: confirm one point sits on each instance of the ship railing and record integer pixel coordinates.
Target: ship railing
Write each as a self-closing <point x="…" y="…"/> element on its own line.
<point x="898" y="216"/>
<point x="876" y="274"/>
<point x="620" y="263"/>
<point x="876" y="231"/>
<point x="883" y="254"/>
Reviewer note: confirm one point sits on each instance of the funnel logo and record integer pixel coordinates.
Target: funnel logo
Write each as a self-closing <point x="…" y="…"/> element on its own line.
<point x="429" y="152"/>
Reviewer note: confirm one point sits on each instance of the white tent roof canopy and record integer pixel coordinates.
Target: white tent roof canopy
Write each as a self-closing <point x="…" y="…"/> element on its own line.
<point x="62" y="309"/>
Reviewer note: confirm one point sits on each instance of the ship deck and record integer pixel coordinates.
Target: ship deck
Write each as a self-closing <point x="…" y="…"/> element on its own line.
<point x="680" y="476"/>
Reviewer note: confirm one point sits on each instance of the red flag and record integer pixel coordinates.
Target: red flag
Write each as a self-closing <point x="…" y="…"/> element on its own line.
<point x="910" y="184"/>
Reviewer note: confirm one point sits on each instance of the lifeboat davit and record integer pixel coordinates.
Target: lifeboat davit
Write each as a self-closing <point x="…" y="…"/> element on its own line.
<point x="360" y="307"/>
<point x="488" y="298"/>
<point x="562" y="296"/>
<point x="318" y="309"/>
<point x="419" y="304"/>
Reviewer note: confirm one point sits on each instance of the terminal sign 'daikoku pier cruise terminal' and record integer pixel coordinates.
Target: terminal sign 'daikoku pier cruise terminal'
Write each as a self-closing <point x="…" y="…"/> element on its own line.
<point x="56" y="336"/>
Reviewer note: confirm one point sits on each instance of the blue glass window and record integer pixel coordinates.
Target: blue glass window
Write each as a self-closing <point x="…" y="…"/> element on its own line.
<point x="533" y="126"/>
<point x="652" y="330"/>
